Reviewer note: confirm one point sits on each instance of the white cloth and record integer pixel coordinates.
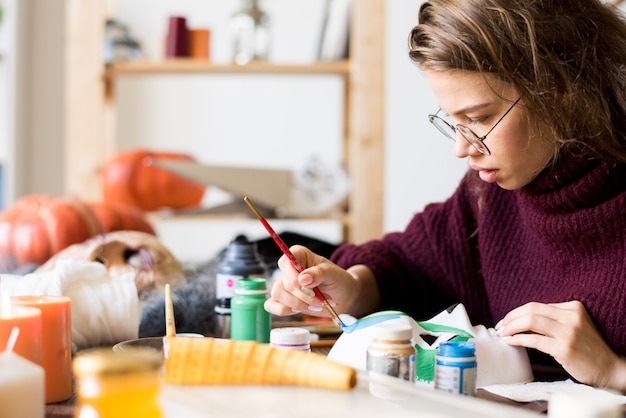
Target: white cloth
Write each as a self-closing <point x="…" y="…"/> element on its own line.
<point x="543" y="391"/>
<point x="104" y="310"/>
<point x="498" y="363"/>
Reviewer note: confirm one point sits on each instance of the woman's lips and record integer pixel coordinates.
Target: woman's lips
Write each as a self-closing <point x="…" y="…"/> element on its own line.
<point x="485" y="174"/>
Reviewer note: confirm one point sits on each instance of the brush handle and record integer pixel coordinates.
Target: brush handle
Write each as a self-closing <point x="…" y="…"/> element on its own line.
<point x="283" y="247"/>
<point x="170" y="326"/>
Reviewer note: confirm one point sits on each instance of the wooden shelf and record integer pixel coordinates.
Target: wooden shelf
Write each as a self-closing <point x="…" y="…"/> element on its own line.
<point x="92" y="114"/>
<point x="181" y="65"/>
<point x="192" y="66"/>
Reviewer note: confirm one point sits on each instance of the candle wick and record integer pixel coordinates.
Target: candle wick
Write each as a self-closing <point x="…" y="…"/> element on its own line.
<point x="12" y="339"/>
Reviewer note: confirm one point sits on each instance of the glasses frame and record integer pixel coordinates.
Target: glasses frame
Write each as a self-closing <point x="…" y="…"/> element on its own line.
<point x="450" y="131"/>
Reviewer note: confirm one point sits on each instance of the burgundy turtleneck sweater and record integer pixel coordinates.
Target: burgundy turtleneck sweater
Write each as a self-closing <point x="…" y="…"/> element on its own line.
<point x="560" y="238"/>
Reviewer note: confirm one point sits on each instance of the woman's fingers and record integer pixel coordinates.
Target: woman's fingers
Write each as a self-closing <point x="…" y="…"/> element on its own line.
<point x="566" y="332"/>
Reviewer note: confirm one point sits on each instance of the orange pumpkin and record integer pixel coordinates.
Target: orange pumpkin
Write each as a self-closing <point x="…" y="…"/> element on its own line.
<point x="117" y="217"/>
<point x="36" y="227"/>
<point x="130" y="179"/>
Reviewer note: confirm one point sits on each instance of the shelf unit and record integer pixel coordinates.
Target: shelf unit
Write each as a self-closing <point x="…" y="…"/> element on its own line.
<point x="90" y="104"/>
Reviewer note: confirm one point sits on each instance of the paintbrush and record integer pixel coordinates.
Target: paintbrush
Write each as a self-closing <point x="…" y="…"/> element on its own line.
<point x="170" y="326"/>
<point x="283" y="247"/>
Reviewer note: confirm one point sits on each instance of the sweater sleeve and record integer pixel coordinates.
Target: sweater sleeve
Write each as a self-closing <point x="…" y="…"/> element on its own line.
<point x="430" y="265"/>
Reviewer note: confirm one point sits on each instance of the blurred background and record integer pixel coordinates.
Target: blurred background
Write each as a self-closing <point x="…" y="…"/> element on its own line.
<point x="271" y="120"/>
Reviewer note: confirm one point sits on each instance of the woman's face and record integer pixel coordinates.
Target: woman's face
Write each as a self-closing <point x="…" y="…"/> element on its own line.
<point x="518" y="153"/>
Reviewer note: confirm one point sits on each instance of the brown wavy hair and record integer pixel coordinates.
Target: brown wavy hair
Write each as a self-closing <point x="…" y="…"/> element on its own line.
<point x="566" y="58"/>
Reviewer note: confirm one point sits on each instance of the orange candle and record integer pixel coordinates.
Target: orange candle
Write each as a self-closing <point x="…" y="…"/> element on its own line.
<point x="56" y="342"/>
<point x="199" y="43"/>
<point x="28" y="320"/>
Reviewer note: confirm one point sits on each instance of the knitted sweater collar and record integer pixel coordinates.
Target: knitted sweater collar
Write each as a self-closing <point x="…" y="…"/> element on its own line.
<point x="575" y="182"/>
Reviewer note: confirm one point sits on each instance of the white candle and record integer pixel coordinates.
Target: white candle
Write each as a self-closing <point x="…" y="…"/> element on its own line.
<point x="21" y="385"/>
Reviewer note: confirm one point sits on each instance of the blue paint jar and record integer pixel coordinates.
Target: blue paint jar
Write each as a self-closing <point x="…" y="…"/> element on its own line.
<point x="456" y="368"/>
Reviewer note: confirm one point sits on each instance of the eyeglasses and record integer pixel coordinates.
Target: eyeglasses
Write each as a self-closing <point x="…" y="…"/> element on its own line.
<point x="474" y="140"/>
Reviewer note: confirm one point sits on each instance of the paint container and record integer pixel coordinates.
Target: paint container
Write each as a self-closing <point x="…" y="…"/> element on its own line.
<point x="391" y="353"/>
<point x="249" y="319"/>
<point x="291" y="338"/>
<point x="112" y="384"/>
<point x="241" y="260"/>
<point x="456" y="368"/>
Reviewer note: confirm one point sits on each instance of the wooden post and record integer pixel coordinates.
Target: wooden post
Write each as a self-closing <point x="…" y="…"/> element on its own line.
<point x="84" y="98"/>
<point x="366" y="120"/>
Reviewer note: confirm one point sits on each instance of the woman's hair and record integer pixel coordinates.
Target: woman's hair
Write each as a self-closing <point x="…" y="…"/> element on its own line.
<point x="566" y="58"/>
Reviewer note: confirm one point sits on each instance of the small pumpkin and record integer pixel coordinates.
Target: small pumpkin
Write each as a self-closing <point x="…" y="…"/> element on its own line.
<point x="38" y="226"/>
<point x="118" y="217"/>
<point x="129" y="178"/>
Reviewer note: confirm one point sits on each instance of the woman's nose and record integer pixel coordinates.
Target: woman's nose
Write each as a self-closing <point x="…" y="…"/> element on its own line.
<point x="462" y="147"/>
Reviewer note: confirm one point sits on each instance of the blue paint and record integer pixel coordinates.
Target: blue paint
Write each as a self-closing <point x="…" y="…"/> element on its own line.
<point x="370" y="320"/>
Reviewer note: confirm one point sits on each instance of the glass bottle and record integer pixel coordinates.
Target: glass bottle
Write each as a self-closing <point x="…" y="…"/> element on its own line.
<point x="250" y="33"/>
<point x="112" y="384"/>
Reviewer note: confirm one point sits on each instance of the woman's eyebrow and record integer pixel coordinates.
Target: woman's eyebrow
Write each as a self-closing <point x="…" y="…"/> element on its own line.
<point x="469" y="109"/>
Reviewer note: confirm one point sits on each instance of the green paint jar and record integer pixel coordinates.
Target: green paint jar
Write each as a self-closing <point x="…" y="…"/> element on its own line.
<point x="249" y="319"/>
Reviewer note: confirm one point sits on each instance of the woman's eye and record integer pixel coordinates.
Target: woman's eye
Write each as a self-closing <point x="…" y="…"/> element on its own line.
<point x="475" y="121"/>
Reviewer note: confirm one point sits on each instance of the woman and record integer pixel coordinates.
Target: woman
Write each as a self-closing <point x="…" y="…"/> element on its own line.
<point x="533" y="241"/>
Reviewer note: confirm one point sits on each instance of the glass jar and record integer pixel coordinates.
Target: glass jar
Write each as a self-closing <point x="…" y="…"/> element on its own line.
<point x="390" y="354"/>
<point x="112" y="384"/>
<point x="250" y="33"/>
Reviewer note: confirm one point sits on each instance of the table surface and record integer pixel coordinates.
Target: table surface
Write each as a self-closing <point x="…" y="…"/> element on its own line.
<point x="67" y="408"/>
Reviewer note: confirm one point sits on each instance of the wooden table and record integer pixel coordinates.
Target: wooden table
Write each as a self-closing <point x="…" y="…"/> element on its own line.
<point x="67" y="408"/>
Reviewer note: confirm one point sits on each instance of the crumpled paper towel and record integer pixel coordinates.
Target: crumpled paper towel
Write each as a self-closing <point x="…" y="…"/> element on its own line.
<point x="542" y="391"/>
<point x="104" y="310"/>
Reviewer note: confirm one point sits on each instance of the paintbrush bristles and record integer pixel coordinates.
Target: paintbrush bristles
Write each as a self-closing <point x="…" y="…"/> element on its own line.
<point x="170" y="325"/>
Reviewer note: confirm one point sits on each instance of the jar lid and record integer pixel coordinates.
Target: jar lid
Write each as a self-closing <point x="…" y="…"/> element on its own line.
<point x="290" y="336"/>
<point x="457" y="349"/>
<point x="251" y="286"/>
<point x="392" y="332"/>
<point x="97" y="361"/>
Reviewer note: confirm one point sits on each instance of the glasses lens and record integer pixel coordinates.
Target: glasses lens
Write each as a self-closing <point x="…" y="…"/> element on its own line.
<point x="443" y="126"/>
<point x="472" y="138"/>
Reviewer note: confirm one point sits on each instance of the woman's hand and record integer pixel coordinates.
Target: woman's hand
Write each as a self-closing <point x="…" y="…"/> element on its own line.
<point x="344" y="289"/>
<point x="566" y="332"/>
